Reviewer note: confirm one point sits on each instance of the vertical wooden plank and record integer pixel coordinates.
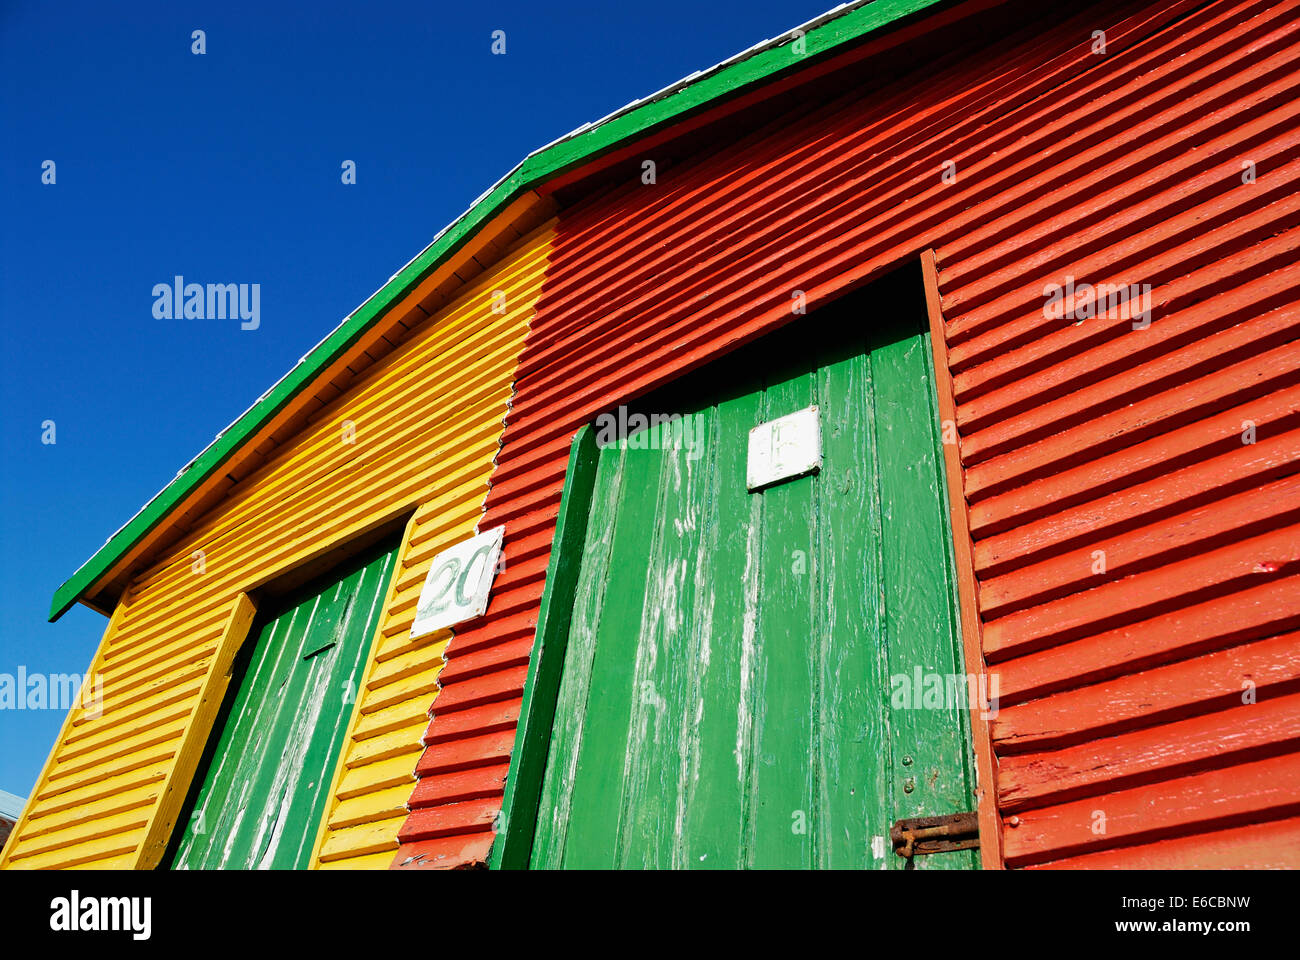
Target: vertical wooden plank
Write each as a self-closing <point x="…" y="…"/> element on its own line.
<point x="317" y="730"/>
<point x="341" y="689"/>
<point x="165" y="813"/>
<point x="964" y="557"/>
<point x="783" y="812"/>
<point x="854" y="734"/>
<point x="598" y="800"/>
<point x="717" y="818"/>
<point x="277" y="735"/>
<point x="571" y="712"/>
<point x="232" y="808"/>
<point x="546" y="664"/>
<point x="663" y="758"/>
<point x="929" y="741"/>
<point x="646" y="780"/>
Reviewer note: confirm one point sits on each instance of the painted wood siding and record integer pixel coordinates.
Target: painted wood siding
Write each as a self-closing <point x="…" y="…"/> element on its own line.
<point x="1134" y="494"/>
<point x="426" y="420"/>
<point x="649" y="281"/>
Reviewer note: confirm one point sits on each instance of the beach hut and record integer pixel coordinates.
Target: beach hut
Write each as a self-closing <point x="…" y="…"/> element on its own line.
<point x="879" y="450"/>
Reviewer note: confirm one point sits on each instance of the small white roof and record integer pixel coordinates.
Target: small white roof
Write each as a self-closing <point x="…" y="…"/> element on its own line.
<point x="11" y="806"/>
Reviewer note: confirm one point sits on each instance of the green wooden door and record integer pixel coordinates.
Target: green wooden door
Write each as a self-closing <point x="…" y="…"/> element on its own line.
<point x="737" y="685"/>
<point x="262" y="786"/>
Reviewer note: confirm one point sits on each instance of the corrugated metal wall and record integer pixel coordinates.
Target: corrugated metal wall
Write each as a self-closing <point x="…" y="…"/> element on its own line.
<point x="1061" y="158"/>
<point x="425" y="422"/>
<point x="1133" y="494"/>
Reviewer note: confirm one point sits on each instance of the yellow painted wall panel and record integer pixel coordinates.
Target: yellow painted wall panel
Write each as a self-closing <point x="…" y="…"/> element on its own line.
<point x="376" y="777"/>
<point x="114" y="803"/>
<point x="415" y="434"/>
<point x="376" y="722"/>
<point x="367" y="838"/>
<point x="379" y="805"/>
<point x="373" y="861"/>
<point x="90" y="794"/>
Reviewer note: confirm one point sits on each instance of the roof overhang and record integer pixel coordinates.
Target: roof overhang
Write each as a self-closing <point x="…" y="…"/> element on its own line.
<point x="824" y="38"/>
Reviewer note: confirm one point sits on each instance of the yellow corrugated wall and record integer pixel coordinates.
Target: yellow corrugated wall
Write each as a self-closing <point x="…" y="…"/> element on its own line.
<point x="425" y="422"/>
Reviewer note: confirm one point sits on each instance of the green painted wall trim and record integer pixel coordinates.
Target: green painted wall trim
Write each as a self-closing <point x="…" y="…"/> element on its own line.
<point x="536" y="169"/>
<point x="511" y="848"/>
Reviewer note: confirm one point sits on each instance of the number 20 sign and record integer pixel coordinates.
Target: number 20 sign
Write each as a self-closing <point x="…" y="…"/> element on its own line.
<point x="458" y="583"/>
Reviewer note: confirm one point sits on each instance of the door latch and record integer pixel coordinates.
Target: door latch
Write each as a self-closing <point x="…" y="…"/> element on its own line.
<point x="921" y="835"/>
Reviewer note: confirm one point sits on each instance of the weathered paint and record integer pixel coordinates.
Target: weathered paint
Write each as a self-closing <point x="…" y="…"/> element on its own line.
<point x="416" y="433"/>
<point x="267" y="776"/>
<point x="1073" y="439"/>
<point x="737" y="682"/>
<point x="649" y="282"/>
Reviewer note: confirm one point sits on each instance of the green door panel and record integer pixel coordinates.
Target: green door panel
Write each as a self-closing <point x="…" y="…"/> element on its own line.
<point x="261" y="789"/>
<point x="736" y="688"/>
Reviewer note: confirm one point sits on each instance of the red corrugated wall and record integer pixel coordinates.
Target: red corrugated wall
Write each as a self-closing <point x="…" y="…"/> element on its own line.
<point x="1121" y="737"/>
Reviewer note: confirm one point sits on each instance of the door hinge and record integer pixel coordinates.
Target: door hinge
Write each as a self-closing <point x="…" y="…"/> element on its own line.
<point x="921" y="835"/>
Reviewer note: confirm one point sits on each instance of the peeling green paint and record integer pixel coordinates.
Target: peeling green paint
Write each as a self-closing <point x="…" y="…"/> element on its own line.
<point x="728" y="694"/>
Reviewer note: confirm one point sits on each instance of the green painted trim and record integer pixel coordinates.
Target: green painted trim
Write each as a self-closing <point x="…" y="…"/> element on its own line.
<point x="536" y="169"/>
<point x="518" y="820"/>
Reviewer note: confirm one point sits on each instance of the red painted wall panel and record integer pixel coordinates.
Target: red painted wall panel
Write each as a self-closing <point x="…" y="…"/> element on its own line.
<point x="1120" y="689"/>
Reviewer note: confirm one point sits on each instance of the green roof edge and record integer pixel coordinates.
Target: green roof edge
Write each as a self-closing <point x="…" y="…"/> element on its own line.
<point x="564" y="154"/>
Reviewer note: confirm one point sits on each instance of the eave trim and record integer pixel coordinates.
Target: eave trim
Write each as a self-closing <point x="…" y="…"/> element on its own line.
<point x="747" y="70"/>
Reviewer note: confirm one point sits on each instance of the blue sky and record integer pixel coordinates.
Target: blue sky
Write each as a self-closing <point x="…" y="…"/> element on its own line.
<point x="225" y="168"/>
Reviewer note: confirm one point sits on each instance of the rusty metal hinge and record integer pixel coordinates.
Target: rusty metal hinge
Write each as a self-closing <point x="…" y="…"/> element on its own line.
<point x="922" y="835"/>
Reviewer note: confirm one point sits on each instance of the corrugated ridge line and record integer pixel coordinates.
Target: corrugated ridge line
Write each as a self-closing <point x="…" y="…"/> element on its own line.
<point x="588" y="351"/>
<point x="436" y="451"/>
<point x="1151" y="693"/>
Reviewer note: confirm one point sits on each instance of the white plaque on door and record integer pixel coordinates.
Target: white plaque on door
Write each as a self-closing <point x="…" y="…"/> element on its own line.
<point x="789" y="446"/>
<point x="458" y="584"/>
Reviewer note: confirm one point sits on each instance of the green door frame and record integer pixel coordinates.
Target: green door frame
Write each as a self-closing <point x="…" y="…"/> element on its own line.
<point x="518" y="821"/>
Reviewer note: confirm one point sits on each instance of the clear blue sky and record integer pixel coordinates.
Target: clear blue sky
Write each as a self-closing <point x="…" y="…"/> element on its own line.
<point x="224" y="168"/>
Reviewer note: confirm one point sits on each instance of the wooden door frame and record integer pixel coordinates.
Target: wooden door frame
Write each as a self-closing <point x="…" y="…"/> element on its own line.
<point x="252" y="604"/>
<point x="517" y="823"/>
<point x="970" y="622"/>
